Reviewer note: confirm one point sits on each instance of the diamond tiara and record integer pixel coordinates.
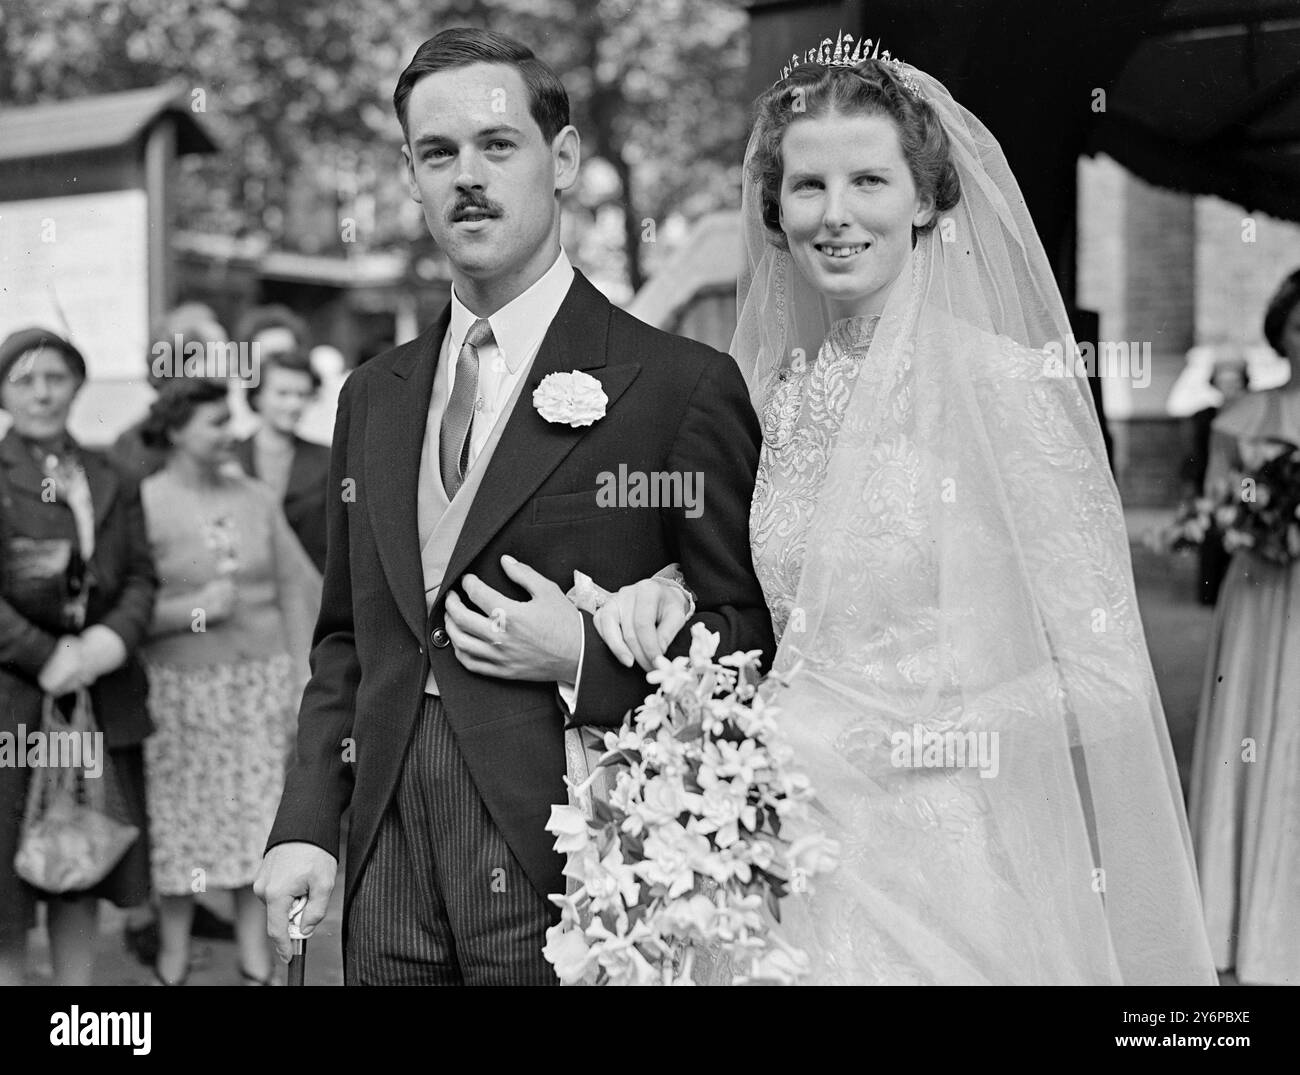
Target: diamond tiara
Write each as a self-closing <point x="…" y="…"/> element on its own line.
<point x="847" y="51"/>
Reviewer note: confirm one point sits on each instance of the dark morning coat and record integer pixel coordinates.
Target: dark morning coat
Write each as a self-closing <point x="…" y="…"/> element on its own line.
<point x="674" y="406"/>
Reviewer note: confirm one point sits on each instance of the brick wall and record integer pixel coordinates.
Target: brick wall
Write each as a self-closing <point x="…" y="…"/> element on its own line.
<point x="1175" y="271"/>
<point x="1235" y="277"/>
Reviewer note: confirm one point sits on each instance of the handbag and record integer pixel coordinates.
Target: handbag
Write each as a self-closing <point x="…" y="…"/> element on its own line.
<point x="69" y="840"/>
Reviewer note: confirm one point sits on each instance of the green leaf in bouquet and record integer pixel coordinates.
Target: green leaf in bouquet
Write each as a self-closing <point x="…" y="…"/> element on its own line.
<point x="607" y="838"/>
<point x="603" y="811"/>
<point x="773" y="903"/>
<point x="691" y="732"/>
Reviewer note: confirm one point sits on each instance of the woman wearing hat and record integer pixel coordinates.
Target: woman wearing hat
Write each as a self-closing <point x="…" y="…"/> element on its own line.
<point x="76" y="597"/>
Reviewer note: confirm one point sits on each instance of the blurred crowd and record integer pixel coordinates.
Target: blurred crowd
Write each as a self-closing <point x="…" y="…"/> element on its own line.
<point x="172" y="582"/>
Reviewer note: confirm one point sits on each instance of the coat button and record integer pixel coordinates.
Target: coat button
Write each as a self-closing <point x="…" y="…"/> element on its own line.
<point x="439" y="638"/>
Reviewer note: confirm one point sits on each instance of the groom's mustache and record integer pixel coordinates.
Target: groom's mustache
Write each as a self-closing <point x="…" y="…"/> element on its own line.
<point x="467" y="202"/>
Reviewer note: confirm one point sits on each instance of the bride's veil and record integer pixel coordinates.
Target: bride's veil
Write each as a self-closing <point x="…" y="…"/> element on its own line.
<point x="967" y="571"/>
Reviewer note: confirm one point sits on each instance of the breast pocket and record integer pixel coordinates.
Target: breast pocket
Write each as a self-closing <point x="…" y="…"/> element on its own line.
<point x="572" y="507"/>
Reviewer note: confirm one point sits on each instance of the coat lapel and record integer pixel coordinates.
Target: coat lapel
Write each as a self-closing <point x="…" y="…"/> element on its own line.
<point x="398" y="413"/>
<point x="15" y="458"/>
<point x="531" y="447"/>
<point x="25" y="474"/>
<point x="104" y="483"/>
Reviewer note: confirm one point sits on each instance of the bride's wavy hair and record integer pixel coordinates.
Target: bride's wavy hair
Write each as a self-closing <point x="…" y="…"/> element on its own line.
<point x="869" y="88"/>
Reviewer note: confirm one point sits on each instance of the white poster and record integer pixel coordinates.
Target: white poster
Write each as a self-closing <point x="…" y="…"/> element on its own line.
<point x="79" y="265"/>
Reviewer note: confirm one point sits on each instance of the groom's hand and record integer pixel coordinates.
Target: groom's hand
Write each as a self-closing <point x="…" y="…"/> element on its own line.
<point x="537" y="639"/>
<point x="290" y="870"/>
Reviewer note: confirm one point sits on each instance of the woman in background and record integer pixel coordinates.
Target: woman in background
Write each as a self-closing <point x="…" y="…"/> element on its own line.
<point x="1245" y="797"/>
<point x="237" y="602"/>
<point x="296" y="470"/>
<point x="179" y="330"/>
<point x="76" y="595"/>
<point x="270" y="332"/>
<point x="331" y="367"/>
<point x="1203" y="389"/>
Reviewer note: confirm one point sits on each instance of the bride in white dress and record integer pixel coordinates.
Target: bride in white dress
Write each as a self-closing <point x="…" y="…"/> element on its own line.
<point x="943" y="551"/>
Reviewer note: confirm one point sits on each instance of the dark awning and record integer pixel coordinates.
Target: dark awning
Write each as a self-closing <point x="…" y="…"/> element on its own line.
<point x="1209" y="102"/>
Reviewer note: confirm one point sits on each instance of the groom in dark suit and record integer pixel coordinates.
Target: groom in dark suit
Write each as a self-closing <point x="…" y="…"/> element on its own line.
<point x="447" y="659"/>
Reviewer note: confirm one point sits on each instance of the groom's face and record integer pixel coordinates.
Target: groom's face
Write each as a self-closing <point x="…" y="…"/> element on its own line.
<point x="483" y="172"/>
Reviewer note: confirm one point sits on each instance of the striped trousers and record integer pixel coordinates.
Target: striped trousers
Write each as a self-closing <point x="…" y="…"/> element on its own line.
<point x="443" y="900"/>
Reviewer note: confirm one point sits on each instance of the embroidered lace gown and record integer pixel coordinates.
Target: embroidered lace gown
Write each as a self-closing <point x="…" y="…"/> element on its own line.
<point x="935" y="886"/>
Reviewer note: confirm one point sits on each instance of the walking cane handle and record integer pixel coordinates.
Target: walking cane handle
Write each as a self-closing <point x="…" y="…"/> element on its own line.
<point x="295" y="920"/>
<point x="298" y="957"/>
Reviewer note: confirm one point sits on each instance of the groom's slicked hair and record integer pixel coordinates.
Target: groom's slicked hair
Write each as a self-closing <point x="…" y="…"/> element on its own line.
<point x="548" y="102"/>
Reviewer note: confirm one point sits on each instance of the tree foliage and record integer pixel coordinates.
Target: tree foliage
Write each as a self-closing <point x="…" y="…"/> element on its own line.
<point x="299" y="97"/>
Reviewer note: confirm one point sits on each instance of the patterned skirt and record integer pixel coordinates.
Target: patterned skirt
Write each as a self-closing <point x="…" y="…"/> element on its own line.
<point x="215" y="769"/>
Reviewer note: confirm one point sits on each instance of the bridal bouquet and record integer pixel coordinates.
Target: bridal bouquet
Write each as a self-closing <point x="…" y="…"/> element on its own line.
<point x="1190" y="528"/>
<point x="1258" y="509"/>
<point x="688" y="852"/>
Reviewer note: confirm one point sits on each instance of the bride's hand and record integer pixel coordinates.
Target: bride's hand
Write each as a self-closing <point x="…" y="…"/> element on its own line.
<point x="639" y="621"/>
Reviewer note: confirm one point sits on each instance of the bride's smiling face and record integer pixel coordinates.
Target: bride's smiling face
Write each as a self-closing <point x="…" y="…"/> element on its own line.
<point x="848" y="205"/>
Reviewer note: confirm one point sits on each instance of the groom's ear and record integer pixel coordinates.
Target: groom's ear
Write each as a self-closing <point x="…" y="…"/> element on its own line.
<point x="566" y="152"/>
<point x="411" y="185"/>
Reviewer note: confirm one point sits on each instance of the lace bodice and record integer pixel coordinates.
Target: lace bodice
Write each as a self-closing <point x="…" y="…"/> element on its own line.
<point x="800" y="421"/>
<point x="886" y="554"/>
<point x="883" y="635"/>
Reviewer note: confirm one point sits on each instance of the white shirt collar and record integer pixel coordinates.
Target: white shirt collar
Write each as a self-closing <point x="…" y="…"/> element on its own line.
<point x="518" y="327"/>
